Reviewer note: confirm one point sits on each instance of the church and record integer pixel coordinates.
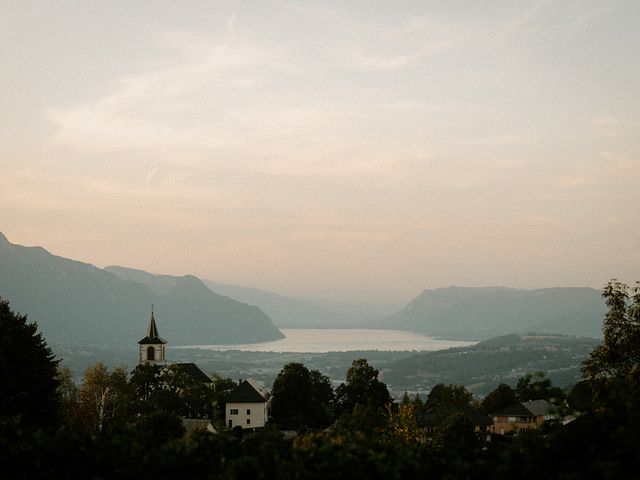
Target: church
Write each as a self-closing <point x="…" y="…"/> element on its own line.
<point x="247" y="405"/>
<point x="152" y="352"/>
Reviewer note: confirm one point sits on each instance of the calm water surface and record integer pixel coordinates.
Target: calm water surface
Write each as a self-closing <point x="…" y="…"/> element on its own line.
<point x="312" y="340"/>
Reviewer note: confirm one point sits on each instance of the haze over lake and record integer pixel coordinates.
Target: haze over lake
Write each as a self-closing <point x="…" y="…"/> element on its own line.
<point x="312" y="340"/>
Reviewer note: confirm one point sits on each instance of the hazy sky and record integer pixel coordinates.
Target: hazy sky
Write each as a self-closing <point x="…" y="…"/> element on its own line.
<point x="356" y="150"/>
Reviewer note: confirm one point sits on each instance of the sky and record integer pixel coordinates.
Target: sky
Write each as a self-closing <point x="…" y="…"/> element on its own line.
<point x="355" y="150"/>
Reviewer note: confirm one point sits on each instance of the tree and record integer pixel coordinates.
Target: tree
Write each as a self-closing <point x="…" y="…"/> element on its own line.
<point x="456" y="433"/>
<point x="448" y="395"/>
<point x="103" y="397"/>
<point x="301" y="397"/>
<point x="28" y="369"/>
<point x="221" y="388"/>
<point x="500" y="397"/>
<point x="160" y="426"/>
<point x="68" y="393"/>
<point x="323" y="396"/>
<point x="180" y="393"/>
<point x="403" y="425"/>
<point x="292" y="392"/>
<point x="619" y="354"/>
<point x="536" y="386"/>
<point x="145" y="381"/>
<point x="362" y="387"/>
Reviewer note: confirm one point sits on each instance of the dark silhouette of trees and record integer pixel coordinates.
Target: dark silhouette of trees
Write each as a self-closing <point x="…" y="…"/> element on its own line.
<point x="362" y="387"/>
<point x="536" y="386"/>
<point x="443" y="395"/>
<point x="619" y="354"/>
<point x="301" y="397"/>
<point x="500" y="397"/>
<point x="145" y="381"/>
<point x="28" y="372"/>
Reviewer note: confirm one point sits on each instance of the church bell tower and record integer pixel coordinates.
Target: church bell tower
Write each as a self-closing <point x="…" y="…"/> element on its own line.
<point x="152" y="346"/>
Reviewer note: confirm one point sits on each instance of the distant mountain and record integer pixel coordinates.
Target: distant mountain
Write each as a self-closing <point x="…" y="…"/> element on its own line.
<point x="75" y="302"/>
<point x="481" y="313"/>
<point x="287" y="312"/>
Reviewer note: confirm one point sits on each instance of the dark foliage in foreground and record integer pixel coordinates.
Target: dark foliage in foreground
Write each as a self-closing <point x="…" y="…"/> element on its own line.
<point x="598" y="445"/>
<point x="28" y="381"/>
<point x="603" y="441"/>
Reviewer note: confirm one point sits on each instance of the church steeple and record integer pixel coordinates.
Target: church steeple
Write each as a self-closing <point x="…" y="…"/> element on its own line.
<point x="152" y="346"/>
<point x="152" y="329"/>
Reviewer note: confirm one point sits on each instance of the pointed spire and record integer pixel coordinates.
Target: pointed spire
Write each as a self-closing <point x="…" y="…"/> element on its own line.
<point x="152" y="332"/>
<point x="152" y="329"/>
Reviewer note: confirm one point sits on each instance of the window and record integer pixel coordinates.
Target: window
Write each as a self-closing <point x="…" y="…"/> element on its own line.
<point x="512" y="419"/>
<point x="248" y="421"/>
<point x="233" y="411"/>
<point x="151" y="353"/>
<point x="248" y="411"/>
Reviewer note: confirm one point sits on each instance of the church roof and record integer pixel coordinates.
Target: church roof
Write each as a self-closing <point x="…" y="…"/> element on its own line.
<point x="533" y="408"/>
<point x="194" y="371"/>
<point x="152" y="333"/>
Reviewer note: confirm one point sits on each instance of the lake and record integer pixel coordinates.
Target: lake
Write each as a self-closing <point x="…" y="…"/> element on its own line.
<point x="315" y="340"/>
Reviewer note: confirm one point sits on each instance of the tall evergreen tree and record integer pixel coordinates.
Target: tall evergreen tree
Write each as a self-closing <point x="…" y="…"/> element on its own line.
<point x="28" y="372"/>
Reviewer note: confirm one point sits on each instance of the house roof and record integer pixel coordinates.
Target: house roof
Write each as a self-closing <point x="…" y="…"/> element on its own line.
<point x="248" y="392"/>
<point x="193" y="371"/>
<point x="152" y="333"/>
<point x="538" y="407"/>
<point x="534" y="408"/>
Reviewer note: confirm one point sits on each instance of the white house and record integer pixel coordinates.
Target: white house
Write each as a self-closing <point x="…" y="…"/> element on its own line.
<point x="247" y="405"/>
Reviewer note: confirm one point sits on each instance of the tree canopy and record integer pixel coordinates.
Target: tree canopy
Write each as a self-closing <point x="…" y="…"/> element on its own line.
<point x="500" y="397"/>
<point x="301" y="397"/>
<point x="362" y="387"/>
<point x="28" y="369"/>
<point x="448" y="395"/>
<point x="536" y="386"/>
<point x="619" y="353"/>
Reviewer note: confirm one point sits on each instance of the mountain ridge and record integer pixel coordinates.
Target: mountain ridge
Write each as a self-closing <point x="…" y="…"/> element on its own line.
<point x="479" y="313"/>
<point x="78" y="302"/>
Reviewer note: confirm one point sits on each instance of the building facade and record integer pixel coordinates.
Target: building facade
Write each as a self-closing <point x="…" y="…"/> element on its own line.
<point x="247" y="406"/>
<point x="521" y="416"/>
